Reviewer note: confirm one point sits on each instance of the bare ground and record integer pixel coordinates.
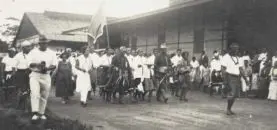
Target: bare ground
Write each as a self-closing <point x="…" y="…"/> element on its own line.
<point x="202" y="112"/>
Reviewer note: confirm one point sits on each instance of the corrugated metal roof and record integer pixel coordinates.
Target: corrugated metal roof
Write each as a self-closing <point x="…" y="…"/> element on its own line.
<point x="170" y="8"/>
<point x="53" y="24"/>
<point x="71" y="38"/>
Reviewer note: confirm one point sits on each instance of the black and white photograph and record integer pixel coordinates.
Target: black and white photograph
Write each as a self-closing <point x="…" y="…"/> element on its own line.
<point x="138" y="64"/>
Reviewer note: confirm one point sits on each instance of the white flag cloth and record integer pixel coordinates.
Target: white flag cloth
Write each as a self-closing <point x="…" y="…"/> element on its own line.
<point x="98" y="21"/>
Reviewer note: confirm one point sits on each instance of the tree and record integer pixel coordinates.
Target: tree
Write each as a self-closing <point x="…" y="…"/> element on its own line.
<point x="9" y="29"/>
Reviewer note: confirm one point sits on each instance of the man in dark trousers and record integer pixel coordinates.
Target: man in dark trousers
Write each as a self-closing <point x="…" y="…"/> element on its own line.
<point x="121" y="74"/>
<point x="162" y="66"/>
<point x="203" y="58"/>
<point x="232" y="72"/>
<point x="22" y="74"/>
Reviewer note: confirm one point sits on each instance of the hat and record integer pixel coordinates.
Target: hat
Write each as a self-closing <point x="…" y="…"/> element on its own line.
<point x="163" y="46"/>
<point x="128" y="49"/>
<point x="43" y="39"/>
<point x="122" y="48"/>
<point x="216" y="54"/>
<point x="68" y="49"/>
<point x="11" y="49"/>
<point x="26" y="43"/>
<point x="65" y="54"/>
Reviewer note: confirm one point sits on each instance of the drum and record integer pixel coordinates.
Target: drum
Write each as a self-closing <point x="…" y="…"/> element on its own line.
<point x="163" y="69"/>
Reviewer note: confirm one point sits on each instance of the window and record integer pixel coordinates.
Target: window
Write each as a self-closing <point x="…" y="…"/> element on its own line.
<point x="134" y="42"/>
<point x="198" y="40"/>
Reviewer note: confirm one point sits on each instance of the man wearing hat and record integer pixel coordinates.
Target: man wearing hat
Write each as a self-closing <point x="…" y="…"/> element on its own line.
<point x="8" y="67"/>
<point x="22" y="73"/>
<point x="162" y="65"/>
<point x="42" y="61"/>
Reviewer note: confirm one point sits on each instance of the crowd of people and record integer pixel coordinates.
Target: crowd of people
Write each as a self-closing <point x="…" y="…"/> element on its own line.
<point x="132" y="72"/>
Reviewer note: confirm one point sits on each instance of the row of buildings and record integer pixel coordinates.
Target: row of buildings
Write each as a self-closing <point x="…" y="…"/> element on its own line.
<point x="192" y="25"/>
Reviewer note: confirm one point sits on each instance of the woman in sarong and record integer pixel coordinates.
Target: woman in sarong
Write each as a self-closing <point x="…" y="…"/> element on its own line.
<point x="272" y="95"/>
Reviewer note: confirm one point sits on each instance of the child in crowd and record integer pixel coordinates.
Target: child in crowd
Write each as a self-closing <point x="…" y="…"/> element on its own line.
<point x="272" y="95"/>
<point x="205" y="76"/>
<point x="247" y="72"/>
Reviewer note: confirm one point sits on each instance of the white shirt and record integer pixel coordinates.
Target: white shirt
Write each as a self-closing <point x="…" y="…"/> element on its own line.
<point x="262" y="57"/>
<point x="246" y="57"/>
<point x="21" y="61"/>
<point x="151" y="59"/>
<point x="232" y="64"/>
<point x="216" y="65"/>
<point x="48" y="56"/>
<point x="138" y="71"/>
<point x="176" y="60"/>
<point x="194" y="64"/>
<point x="106" y="60"/>
<point x="94" y="57"/>
<point x="9" y="63"/>
<point x="85" y="62"/>
<point x="147" y="72"/>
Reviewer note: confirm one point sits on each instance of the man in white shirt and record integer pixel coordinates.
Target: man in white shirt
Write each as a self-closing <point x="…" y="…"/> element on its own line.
<point x="263" y="57"/>
<point x="177" y="59"/>
<point x="8" y="67"/>
<point x="83" y="82"/>
<point x="42" y="61"/>
<point x="232" y="70"/>
<point x="105" y="64"/>
<point x="94" y="57"/>
<point x="22" y="73"/>
<point x="152" y="62"/>
<point x="215" y="71"/>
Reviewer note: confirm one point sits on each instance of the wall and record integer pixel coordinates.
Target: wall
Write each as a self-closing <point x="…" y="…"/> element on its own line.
<point x="179" y="27"/>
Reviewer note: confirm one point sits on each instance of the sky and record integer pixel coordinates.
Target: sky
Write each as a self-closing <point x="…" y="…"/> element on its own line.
<point x="115" y="8"/>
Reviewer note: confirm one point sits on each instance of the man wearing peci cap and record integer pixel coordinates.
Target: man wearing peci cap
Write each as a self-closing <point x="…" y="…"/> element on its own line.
<point x="232" y="72"/>
<point x="161" y="67"/>
<point x="22" y="73"/>
<point x="42" y="61"/>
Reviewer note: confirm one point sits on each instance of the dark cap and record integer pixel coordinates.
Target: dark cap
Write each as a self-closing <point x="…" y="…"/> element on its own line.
<point x="43" y="39"/>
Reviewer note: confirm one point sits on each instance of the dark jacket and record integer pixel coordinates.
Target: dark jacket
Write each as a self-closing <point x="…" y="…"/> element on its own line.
<point x="203" y="59"/>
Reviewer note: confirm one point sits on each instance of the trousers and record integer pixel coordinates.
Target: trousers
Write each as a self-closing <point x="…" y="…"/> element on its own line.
<point x="40" y="85"/>
<point x="84" y="95"/>
<point x="162" y="88"/>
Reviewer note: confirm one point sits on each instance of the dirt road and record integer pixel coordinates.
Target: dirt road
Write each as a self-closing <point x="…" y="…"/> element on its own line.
<point x="202" y="112"/>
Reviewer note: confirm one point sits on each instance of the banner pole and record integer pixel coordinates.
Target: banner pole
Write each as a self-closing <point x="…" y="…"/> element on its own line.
<point x="107" y="34"/>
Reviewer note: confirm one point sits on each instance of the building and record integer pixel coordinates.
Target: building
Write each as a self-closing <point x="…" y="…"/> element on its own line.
<point x="55" y="26"/>
<point x="191" y="25"/>
<point x="196" y="25"/>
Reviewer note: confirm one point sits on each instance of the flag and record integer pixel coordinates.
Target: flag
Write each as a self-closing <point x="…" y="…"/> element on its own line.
<point x="96" y="28"/>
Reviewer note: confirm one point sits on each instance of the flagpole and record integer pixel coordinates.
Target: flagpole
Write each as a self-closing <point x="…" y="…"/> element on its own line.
<point x="107" y="33"/>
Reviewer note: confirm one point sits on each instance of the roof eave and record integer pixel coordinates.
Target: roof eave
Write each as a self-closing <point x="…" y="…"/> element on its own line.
<point x="176" y="7"/>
